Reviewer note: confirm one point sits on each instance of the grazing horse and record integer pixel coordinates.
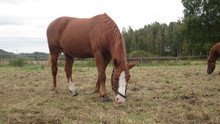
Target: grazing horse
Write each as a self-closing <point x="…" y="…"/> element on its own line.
<point x="97" y="37"/>
<point x="213" y="55"/>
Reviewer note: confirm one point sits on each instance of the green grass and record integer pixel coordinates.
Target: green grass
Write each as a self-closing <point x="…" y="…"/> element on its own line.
<point x="33" y="68"/>
<point x="181" y="63"/>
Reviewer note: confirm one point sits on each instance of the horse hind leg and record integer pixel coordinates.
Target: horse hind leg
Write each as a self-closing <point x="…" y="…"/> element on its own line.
<point x="54" y="58"/>
<point x="68" y="69"/>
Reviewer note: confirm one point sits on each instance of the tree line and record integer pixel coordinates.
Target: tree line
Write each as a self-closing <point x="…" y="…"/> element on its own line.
<point x="192" y="35"/>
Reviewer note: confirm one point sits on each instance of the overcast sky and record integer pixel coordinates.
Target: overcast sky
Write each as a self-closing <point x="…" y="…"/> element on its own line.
<point x="23" y="23"/>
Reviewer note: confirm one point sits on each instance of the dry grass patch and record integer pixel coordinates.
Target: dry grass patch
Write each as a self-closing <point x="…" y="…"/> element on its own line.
<point x="156" y="94"/>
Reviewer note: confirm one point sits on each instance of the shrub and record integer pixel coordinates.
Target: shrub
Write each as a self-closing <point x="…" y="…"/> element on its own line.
<point x="18" y="62"/>
<point x="85" y="63"/>
<point x="91" y="63"/>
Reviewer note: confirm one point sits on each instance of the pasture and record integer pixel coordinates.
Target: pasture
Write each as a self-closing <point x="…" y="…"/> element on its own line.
<point x="182" y="93"/>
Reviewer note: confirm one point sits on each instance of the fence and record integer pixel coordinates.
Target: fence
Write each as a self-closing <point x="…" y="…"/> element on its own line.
<point x="44" y="59"/>
<point x="142" y="60"/>
<point x="33" y="59"/>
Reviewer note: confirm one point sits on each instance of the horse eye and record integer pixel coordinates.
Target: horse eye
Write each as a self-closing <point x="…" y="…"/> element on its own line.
<point x="116" y="79"/>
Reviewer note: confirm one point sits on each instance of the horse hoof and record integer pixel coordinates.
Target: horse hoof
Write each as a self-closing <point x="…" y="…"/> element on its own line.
<point x="55" y="92"/>
<point x="75" y="94"/>
<point x="107" y="100"/>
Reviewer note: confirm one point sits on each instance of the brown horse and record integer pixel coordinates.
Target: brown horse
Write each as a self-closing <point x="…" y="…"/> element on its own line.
<point x="213" y="55"/>
<point x="97" y="37"/>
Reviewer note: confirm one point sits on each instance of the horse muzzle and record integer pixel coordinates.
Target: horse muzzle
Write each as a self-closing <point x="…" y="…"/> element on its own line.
<point x="209" y="72"/>
<point x="119" y="99"/>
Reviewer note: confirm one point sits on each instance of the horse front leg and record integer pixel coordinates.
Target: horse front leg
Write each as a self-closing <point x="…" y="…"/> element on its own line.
<point x="97" y="87"/>
<point x="101" y="63"/>
<point x="100" y="85"/>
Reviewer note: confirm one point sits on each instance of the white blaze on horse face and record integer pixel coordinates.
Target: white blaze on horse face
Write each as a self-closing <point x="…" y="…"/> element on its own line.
<point x="122" y="83"/>
<point x="122" y="87"/>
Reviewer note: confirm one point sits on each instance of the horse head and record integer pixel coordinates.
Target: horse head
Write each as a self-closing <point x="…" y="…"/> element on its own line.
<point x="210" y="67"/>
<point x="119" y="79"/>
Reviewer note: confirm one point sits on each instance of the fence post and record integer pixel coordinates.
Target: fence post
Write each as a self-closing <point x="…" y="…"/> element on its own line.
<point x="141" y="61"/>
<point x="177" y="61"/>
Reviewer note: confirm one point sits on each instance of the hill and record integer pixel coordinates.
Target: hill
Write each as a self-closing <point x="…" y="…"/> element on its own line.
<point x="5" y="54"/>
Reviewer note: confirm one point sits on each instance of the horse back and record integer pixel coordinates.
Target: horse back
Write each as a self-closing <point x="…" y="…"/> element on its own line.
<point x="76" y="36"/>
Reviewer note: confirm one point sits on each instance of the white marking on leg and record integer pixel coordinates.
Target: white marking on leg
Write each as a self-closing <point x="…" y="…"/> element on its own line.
<point x="71" y="86"/>
<point x="122" y="87"/>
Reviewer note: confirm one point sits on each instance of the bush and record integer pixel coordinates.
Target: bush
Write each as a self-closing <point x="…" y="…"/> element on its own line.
<point x="91" y="63"/>
<point x="85" y="63"/>
<point x="18" y="62"/>
<point x="140" y="53"/>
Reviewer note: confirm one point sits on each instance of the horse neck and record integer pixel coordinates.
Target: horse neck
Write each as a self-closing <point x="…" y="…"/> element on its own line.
<point x="213" y="57"/>
<point x="116" y="43"/>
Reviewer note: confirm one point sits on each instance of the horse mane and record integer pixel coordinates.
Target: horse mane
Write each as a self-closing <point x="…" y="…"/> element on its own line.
<point x="116" y="40"/>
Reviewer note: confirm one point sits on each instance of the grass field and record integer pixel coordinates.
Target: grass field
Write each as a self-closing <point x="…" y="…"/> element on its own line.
<point x="156" y="94"/>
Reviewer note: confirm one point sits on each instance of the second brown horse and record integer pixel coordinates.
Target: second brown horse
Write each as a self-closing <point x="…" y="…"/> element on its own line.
<point x="213" y="55"/>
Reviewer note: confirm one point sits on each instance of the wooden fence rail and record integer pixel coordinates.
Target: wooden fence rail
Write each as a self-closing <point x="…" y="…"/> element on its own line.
<point x="38" y="59"/>
<point x="164" y="59"/>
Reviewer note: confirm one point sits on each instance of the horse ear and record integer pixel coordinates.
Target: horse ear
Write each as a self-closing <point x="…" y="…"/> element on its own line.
<point x="116" y="63"/>
<point x="131" y="65"/>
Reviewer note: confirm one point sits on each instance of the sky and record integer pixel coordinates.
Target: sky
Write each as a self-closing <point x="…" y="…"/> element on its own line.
<point x="23" y="23"/>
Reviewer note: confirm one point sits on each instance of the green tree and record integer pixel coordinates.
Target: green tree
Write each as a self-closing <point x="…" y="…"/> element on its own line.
<point x="149" y="40"/>
<point x="201" y="18"/>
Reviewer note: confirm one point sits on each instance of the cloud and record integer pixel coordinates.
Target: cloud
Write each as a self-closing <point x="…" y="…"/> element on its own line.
<point x="24" y="45"/>
<point x="11" y="20"/>
<point x="15" y="1"/>
<point x="30" y="18"/>
<point x="22" y="31"/>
